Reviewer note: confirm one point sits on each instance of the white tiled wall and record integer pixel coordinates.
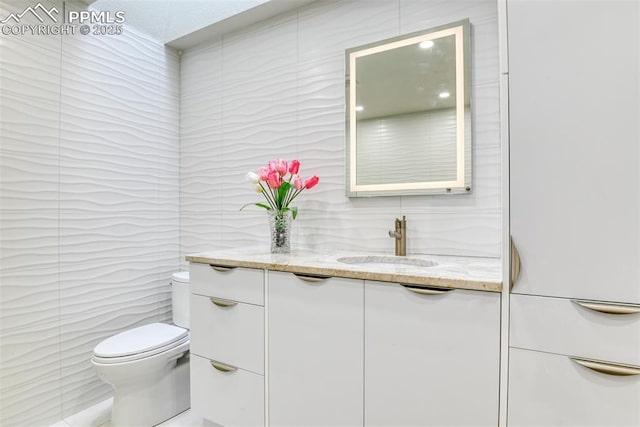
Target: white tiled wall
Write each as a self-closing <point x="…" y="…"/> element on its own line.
<point x="88" y="208"/>
<point x="277" y="90"/>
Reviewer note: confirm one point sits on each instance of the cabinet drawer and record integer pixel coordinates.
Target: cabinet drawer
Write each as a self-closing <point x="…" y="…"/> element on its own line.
<point x="228" y="398"/>
<point x="559" y="325"/>
<point x="232" y="334"/>
<point x="552" y="390"/>
<point x="236" y="284"/>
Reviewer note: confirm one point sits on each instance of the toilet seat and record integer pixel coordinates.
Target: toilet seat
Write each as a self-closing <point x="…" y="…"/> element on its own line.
<point x="139" y="343"/>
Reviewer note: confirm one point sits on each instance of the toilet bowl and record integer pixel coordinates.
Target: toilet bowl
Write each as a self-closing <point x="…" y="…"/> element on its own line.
<point x="148" y="366"/>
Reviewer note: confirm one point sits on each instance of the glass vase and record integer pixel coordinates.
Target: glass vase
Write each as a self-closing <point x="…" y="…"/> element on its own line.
<point x="280" y="227"/>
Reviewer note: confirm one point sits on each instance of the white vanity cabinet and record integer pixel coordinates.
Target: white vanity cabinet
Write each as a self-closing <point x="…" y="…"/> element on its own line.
<point x="315" y="350"/>
<point x="575" y="212"/>
<point x="227" y="344"/>
<point x="431" y="357"/>
<point x="283" y="349"/>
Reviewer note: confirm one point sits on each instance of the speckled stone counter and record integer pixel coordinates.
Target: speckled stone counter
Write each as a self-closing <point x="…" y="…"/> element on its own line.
<point x="482" y="274"/>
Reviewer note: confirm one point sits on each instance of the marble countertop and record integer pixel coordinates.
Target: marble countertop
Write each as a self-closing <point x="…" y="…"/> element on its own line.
<point x="483" y="274"/>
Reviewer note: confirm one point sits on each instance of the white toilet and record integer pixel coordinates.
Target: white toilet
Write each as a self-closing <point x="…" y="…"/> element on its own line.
<point x="148" y="366"/>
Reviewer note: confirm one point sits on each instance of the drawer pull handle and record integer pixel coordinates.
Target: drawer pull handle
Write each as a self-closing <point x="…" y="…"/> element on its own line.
<point x="222" y="367"/>
<point x="222" y="302"/>
<point x="515" y="263"/>
<point x="311" y="277"/>
<point x="608" y="308"/>
<point x="429" y="290"/>
<point x="608" y="368"/>
<point x="221" y="268"/>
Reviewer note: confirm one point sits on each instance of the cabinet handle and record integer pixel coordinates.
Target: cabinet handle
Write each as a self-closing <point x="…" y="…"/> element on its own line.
<point x="222" y="367"/>
<point x="222" y="302"/>
<point x="313" y="278"/>
<point x="221" y="268"/>
<point x="515" y="263"/>
<point x="609" y="308"/>
<point x="608" y="368"/>
<point x="429" y="290"/>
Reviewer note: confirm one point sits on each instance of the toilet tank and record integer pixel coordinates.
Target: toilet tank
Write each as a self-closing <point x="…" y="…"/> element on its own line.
<point x="180" y="298"/>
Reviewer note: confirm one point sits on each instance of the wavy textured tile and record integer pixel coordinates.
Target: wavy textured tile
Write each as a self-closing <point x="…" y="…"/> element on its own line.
<point x="29" y="86"/>
<point x="30" y="352"/>
<point x="29" y="182"/>
<point x="201" y="131"/>
<point x="32" y="403"/>
<point x="29" y="240"/>
<point x="473" y="234"/>
<point x="29" y="298"/>
<point x="90" y="190"/>
<point x="327" y="28"/>
<point x="200" y="233"/>
<point x="29" y="128"/>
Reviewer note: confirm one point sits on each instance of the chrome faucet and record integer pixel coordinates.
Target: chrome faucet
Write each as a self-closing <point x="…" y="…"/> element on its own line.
<point x="400" y="234"/>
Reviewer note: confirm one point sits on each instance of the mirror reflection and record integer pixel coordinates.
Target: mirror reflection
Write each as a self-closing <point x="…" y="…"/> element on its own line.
<point x="409" y="114"/>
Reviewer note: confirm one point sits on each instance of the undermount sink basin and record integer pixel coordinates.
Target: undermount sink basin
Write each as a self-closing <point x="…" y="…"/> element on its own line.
<point x="373" y="259"/>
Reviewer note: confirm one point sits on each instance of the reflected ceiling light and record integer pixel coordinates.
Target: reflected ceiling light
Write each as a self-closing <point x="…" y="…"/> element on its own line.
<point x="444" y="94"/>
<point x="426" y="44"/>
<point x="359" y="108"/>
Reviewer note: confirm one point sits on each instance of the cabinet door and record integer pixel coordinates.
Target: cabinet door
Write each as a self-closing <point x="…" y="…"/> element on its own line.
<point x="315" y="351"/>
<point x="431" y="360"/>
<point x="574" y="72"/>
<point x="551" y="390"/>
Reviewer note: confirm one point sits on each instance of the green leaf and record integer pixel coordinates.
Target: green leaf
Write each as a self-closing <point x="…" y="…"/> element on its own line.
<point x="260" y="205"/>
<point x="282" y="192"/>
<point x="294" y="212"/>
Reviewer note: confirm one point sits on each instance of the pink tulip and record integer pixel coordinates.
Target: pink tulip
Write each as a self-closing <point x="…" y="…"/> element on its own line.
<point x="294" y="167"/>
<point x="263" y="173"/>
<point x="311" y="182"/>
<point x="281" y="167"/>
<point x="273" y="180"/>
<point x="271" y="166"/>
<point x="297" y="182"/>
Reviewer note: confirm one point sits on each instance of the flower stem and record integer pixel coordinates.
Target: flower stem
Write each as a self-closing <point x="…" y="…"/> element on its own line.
<point x="268" y="196"/>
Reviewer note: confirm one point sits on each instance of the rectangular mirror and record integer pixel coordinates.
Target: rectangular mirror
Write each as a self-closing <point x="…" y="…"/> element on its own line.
<point x="409" y="114"/>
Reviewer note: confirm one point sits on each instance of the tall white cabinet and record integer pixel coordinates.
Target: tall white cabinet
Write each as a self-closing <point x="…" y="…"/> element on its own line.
<point x="574" y="145"/>
<point x="574" y="117"/>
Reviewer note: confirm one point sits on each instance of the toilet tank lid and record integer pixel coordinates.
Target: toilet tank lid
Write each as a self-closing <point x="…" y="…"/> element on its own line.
<point x="139" y="340"/>
<point x="181" y="276"/>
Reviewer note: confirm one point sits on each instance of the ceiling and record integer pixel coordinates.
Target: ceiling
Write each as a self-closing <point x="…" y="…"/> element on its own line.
<point x="170" y="20"/>
<point x="184" y="23"/>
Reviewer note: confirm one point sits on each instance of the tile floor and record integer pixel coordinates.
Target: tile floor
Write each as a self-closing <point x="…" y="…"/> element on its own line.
<point x="98" y="416"/>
